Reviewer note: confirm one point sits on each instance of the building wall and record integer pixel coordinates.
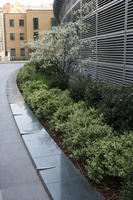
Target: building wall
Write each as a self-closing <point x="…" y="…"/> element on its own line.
<point x="110" y="29"/>
<point x="44" y="19"/>
<point x="2" y="39"/>
<point x="17" y="43"/>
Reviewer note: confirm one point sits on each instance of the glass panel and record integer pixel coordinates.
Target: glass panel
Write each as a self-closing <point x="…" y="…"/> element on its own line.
<point x="13" y="52"/>
<point x="22" y="52"/>
<point x="12" y="22"/>
<point x="12" y="36"/>
<point x="35" y="23"/>
<point x="21" y="36"/>
<point x="21" y="22"/>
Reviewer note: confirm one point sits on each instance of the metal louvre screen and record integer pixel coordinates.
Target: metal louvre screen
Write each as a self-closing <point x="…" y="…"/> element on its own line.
<point x="90" y="26"/>
<point x="111" y="50"/>
<point x="111" y="19"/>
<point x="109" y="25"/>
<point x="103" y="2"/>
<point x="110" y="73"/>
<point x="130" y="15"/>
<point x="129" y="59"/>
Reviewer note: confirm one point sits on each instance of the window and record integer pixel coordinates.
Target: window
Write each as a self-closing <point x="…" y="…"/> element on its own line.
<point x="22" y="52"/>
<point x="36" y="36"/>
<point x="35" y="23"/>
<point x="21" y="36"/>
<point x="13" y="53"/>
<point x="21" y="22"/>
<point x="12" y="36"/>
<point x="11" y="22"/>
<point x="53" y="24"/>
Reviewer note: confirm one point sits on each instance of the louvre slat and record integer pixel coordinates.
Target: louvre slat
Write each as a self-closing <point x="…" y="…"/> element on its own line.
<point x="103" y="2"/>
<point x="130" y="15"/>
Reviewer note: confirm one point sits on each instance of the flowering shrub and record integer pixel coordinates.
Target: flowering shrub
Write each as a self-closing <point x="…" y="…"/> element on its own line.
<point x="60" y="50"/>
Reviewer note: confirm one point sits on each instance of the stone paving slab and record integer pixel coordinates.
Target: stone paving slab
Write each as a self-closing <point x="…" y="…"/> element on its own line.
<point x="55" y="162"/>
<point x="27" y="123"/>
<point x="60" y="177"/>
<point x="76" y="188"/>
<point x="43" y="145"/>
<point x="14" y="171"/>
<point x="0" y="196"/>
<point x="28" y="191"/>
<point x="18" y="109"/>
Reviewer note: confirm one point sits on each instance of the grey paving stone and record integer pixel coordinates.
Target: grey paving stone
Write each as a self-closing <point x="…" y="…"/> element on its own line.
<point x="12" y="151"/>
<point x="37" y="135"/>
<point x="58" y="168"/>
<point x="27" y="123"/>
<point x="1" y="196"/>
<point x="13" y="93"/>
<point x="43" y="145"/>
<point x="19" y="108"/>
<point x="76" y="188"/>
<point x="17" y="172"/>
<point x="31" y="191"/>
<point x="9" y="136"/>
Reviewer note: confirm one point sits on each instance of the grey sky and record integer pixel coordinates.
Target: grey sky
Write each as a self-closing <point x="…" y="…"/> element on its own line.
<point x="28" y="2"/>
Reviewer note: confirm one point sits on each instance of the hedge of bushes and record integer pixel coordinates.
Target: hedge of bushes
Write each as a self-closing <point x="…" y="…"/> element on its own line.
<point x="95" y="125"/>
<point x="115" y="102"/>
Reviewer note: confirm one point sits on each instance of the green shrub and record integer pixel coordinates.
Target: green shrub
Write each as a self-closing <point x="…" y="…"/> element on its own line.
<point x="88" y="90"/>
<point x="77" y="88"/>
<point x="59" y="81"/>
<point x="116" y="102"/>
<point x="82" y="126"/>
<point x="61" y="116"/>
<point x="109" y="156"/>
<point x="45" y="102"/>
<point x="25" y="74"/>
<point x="94" y="93"/>
<point x="56" y="100"/>
<point x="31" y="86"/>
<point x="29" y="73"/>
<point x="57" y="76"/>
<point x="127" y="188"/>
<point x="36" y="100"/>
<point x="117" y="107"/>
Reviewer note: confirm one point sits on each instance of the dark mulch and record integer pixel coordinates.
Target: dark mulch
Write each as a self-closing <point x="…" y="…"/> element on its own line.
<point x="109" y="188"/>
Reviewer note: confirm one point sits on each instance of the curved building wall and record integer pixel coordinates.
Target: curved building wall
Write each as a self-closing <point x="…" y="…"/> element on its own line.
<point x="110" y="28"/>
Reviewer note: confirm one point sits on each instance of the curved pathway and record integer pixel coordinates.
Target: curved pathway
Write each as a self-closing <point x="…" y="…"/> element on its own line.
<point x="18" y="178"/>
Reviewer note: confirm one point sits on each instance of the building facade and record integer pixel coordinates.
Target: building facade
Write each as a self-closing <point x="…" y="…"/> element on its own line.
<point x="23" y="27"/>
<point x="110" y="29"/>
<point x="2" y="36"/>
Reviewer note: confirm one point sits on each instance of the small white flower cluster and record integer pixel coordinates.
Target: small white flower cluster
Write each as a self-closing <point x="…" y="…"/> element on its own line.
<point x="60" y="48"/>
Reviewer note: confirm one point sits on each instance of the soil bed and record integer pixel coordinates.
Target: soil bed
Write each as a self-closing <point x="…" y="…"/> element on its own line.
<point x="109" y="188"/>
